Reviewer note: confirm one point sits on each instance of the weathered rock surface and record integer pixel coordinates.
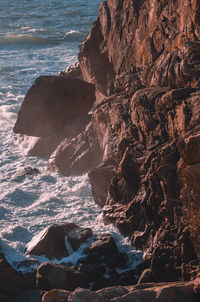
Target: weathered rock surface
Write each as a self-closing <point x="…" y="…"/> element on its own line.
<point x="150" y="292"/>
<point x="51" y="242"/>
<point x="53" y="276"/>
<point x="144" y="58"/>
<point x="51" y="97"/>
<point x="56" y="295"/>
<point x="76" y="155"/>
<point x="44" y="146"/>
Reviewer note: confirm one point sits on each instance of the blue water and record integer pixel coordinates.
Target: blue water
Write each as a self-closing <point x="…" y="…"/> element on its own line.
<point x="38" y="37"/>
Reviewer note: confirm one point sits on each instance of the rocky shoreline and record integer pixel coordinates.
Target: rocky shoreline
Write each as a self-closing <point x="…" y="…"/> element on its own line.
<point x="128" y="115"/>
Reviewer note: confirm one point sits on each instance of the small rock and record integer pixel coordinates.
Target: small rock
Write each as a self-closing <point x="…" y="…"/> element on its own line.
<point x="77" y="236"/>
<point x="104" y="244"/>
<point x="56" y="295"/>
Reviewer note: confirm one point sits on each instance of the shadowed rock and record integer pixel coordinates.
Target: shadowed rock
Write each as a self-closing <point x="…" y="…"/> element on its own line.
<point x="53" y="276"/>
<point x="51" y="97"/>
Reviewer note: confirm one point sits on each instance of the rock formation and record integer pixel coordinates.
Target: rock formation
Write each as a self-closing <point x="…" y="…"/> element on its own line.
<point x="143" y="57"/>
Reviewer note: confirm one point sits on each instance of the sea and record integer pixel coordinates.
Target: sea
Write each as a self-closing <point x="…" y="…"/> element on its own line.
<point x="40" y="37"/>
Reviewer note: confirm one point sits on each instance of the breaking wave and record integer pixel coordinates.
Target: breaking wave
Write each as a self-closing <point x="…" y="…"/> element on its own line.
<point x="23" y="39"/>
<point x="73" y="35"/>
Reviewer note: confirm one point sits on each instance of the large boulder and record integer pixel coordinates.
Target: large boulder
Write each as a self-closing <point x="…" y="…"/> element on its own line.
<point x="53" y="276"/>
<point x="51" y="102"/>
<point x="53" y="242"/>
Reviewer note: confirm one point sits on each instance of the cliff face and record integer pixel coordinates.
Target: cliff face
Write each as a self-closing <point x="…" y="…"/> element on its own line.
<point x="149" y="126"/>
<point x="155" y="36"/>
<point x="142" y="144"/>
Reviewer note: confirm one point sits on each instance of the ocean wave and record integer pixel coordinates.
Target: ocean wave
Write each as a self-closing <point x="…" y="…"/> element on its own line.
<point x="22" y="39"/>
<point x="73" y="35"/>
<point x="35" y="30"/>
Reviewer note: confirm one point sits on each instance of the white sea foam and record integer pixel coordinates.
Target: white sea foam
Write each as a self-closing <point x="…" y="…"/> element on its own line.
<point x="73" y="35"/>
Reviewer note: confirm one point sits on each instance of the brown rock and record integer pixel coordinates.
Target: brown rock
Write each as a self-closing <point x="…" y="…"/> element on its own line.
<point x="77" y="155"/>
<point x="51" y="242"/>
<point x="11" y="281"/>
<point x="77" y="236"/>
<point x="56" y="295"/>
<point x="112" y="292"/>
<point x="104" y="244"/>
<point x="143" y="139"/>
<point x="44" y="146"/>
<point x="50" y="97"/>
<point x="100" y="178"/>
<point x="53" y="276"/>
<point x="85" y="295"/>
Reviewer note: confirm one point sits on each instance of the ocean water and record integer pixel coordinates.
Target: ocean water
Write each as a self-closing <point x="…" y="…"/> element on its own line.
<point x="40" y="37"/>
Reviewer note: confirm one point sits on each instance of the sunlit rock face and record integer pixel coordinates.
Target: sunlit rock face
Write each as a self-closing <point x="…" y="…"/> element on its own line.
<point x="141" y="143"/>
<point x="144" y="125"/>
<point x="154" y="36"/>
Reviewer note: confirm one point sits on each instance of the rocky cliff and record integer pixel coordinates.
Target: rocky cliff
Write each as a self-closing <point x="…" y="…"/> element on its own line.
<point x="140" y="143"/>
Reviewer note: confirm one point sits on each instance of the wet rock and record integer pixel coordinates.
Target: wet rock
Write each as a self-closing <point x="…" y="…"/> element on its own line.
<point x="53" y="276"/>
<point x="93" y="258"/>
<point x="77" y="236"/>
<point x="52" y="241"/>
<point x="56" y="295"/>
<point x="103" y="245"/>
<point x="50" y="97"/>
<point x="118" y="260"/>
